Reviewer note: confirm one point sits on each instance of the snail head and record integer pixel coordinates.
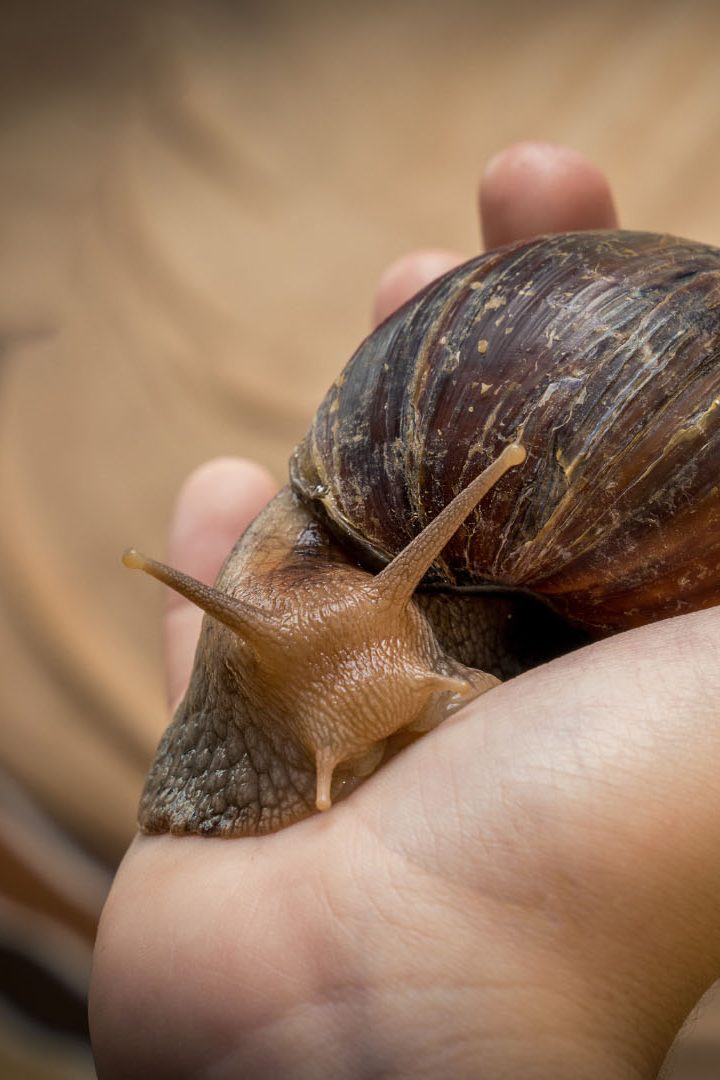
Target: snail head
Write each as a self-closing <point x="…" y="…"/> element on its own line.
<point x="338" y="658"/>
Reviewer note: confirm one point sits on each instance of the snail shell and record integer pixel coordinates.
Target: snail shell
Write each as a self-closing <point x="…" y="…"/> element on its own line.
<point x="593" y="356"/>
<point x="601" y="352"/>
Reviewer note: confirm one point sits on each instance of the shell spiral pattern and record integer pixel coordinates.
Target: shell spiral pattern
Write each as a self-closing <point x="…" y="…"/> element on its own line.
<point x="601" y="352"/>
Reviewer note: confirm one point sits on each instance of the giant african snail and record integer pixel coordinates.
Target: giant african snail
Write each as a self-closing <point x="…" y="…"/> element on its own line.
<point x="595" y="356"/>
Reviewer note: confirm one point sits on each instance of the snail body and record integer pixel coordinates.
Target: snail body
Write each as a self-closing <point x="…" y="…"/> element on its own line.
<point x="571" y="383"/>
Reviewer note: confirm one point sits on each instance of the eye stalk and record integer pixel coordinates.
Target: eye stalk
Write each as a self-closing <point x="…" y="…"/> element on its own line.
<point x="248" y="621"/>
<point x="401" y="577"/>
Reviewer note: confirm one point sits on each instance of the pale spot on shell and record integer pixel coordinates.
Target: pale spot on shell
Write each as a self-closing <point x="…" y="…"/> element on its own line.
<point x="494" y="303"/>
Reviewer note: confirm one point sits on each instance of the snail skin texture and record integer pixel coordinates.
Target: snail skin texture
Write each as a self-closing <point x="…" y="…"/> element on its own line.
<point x="534" y="442"/>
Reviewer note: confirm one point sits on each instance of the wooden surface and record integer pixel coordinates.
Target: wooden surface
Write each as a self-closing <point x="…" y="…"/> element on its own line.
<point x="196" y="200"/>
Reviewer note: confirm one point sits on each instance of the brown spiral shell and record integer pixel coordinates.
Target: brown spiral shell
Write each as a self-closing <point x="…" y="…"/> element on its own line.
<point x="601" y="352"/>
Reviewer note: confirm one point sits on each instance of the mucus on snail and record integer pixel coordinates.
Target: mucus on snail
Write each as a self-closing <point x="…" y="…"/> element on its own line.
<point x="571" y="383"/>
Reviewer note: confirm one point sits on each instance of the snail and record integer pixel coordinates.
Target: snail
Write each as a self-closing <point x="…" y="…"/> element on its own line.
<point x="520" y="460"/>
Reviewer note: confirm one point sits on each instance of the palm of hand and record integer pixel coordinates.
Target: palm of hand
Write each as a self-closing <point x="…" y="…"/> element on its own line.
<point x="518" y="856"/>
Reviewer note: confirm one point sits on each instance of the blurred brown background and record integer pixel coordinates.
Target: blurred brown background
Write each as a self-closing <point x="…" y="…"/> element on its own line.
<point x="196" y="200"/>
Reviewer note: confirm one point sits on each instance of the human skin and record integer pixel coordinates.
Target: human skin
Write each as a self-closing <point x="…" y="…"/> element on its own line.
<point x="528" y="891"/>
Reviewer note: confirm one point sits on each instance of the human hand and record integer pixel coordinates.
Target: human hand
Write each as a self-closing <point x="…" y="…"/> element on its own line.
<point x="530" y="890"/>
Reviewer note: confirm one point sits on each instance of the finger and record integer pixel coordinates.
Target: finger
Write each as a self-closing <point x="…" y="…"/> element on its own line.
<point x="215" y="505"/>
<point x="527" y="189"/>
<point x="533" y="187"/>
<point x="408" y="275"/>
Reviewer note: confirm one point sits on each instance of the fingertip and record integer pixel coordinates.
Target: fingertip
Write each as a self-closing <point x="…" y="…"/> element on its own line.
<point x="407" y="276"/>
<point x="532" y="188"/>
